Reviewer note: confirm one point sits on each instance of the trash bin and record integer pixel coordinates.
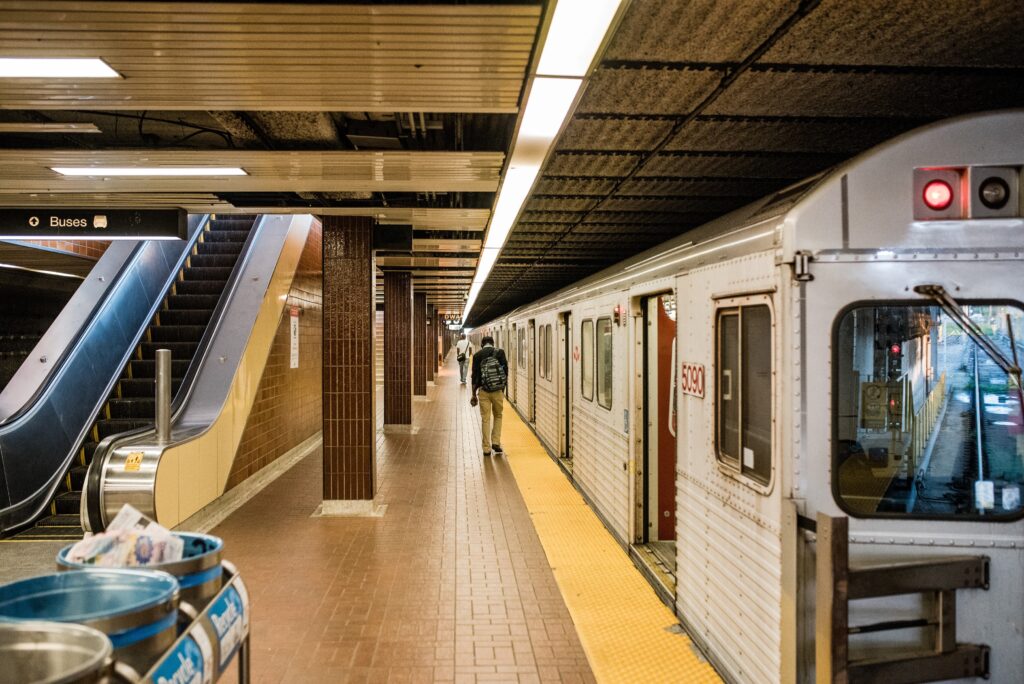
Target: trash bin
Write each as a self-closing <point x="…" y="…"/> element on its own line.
<point x="36" y="652"/>
<point x="199" y="573"/>
<point x="136" y="609"/>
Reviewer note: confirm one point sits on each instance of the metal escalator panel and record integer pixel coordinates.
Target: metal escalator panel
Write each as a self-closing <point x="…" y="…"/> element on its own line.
<point x="48" y="406"/>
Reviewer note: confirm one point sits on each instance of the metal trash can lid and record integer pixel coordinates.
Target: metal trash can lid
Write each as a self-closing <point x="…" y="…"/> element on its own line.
<point x="34" y="652"/>
<point x="85" y="595"/>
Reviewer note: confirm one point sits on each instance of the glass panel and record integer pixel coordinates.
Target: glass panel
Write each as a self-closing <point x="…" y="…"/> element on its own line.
<point x="727" y="385"/>
<point x="927" y="424"/>
<point x="756" y="392"/>
<point x="604" y="362"/>
<point x="586" y="359"/>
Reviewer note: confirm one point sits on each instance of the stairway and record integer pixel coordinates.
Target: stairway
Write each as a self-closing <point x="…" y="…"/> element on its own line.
<point x="179" y="325"/>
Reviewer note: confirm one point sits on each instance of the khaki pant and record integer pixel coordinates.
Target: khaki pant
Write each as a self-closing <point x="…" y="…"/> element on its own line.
<point x="491" y="403"/>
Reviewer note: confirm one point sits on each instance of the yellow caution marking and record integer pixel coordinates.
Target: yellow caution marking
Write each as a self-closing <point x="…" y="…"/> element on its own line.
<point x="622" y="624"/>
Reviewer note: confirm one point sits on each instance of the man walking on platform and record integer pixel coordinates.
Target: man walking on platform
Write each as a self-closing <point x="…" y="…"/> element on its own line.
<point x="490" y="373"/>
<point x="463" y="350"/>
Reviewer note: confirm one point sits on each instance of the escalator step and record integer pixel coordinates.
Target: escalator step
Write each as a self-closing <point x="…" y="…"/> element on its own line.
<point x="235" y="222"/>
<point x="200" y="287"/>
<point x="200" y="317"/>
<point x="232" y="248"/>
<point x="89" y="447"/>
<point x="68" y="503"/>
<point x="52" y="533"/>
<point x="213" y="261"/>
<point x="113" y="426"/>
<point x="143" y="388"/>
<point x="179" y="350"/>
<point x="220" y="273"/>
<point x="193" y="301"/>
<point x="146" y="370"/>
<point x="77" y="474"/>
<point x="67" y="520"/>
<point x="177" y="333"/>
<point x="238" y="236"/>
<point x="142" y="408"/>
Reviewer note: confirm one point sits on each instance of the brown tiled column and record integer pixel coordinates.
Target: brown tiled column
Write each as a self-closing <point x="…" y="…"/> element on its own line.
<point x="397" y="348"/>
<point x="348" y="359"/>
<point x="431" y="342"/>
<point x="419" y="343"/>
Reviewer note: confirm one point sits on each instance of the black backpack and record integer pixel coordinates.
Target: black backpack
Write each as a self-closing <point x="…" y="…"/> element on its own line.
<point x="492" y="375"/>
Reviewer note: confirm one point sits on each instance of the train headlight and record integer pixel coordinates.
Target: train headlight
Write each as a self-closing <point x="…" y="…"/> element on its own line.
<point x="994" y="192"/>
<point x="938" y="195"/>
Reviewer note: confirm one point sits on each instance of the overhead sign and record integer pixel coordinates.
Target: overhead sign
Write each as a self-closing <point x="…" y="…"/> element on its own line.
<point x="93" y="224"/>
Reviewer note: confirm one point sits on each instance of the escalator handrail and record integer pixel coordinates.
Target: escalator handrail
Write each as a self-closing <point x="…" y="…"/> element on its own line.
<point x="14" y="515"/>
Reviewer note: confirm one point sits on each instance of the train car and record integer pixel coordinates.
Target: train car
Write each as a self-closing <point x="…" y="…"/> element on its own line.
<point x="806" y="415"/>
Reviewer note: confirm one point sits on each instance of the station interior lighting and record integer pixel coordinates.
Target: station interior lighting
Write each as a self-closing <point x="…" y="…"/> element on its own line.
<point x="575" y="34"/>
<point x="55" y="127"/>
<point x="106" y="171"/>
<point x="55" y="67"/>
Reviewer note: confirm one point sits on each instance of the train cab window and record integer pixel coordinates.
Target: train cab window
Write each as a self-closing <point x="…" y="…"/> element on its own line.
<point x="743" y="390"/>
<point x="926" y="408"/>
<point x="604" y="362"/>
<point x="586" y="360"/>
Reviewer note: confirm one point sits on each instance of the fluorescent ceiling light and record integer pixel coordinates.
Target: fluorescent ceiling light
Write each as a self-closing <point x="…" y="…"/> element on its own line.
<point x="49" y="128"/>
<point x="575" y="34"/>
<point x="150" y="171"/>
<point x="546" y="107"/>
<point x="36" y="270"/>
<point x="24" y="67"/>
<point x="488" y="256"/>
<point x="514" y="189"/>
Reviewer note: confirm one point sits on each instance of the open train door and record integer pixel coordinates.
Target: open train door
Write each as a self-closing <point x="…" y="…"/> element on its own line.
<point x="565" y="385"/>
<point x="658" y="528"/>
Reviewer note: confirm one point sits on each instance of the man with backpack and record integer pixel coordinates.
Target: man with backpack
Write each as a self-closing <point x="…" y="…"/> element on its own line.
<point x="490" y="373"/>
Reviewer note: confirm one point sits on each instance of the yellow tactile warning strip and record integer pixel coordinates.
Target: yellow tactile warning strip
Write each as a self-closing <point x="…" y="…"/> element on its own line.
<point x="622" y="624"/>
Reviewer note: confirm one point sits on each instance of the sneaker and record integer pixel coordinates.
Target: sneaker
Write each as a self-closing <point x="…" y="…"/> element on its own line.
<point x="496" y="448"/>
<point x="487" y="453"/>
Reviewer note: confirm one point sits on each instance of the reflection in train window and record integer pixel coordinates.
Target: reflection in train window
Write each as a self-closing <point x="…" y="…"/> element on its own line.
<point x="743" y="390"/>
<point x="604" y="362"/>
<point x="927" y="411"/>
<point x="586" y="360"/>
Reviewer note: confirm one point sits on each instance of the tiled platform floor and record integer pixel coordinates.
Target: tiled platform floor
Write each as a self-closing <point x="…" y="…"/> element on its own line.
<point x="451" y="584"/>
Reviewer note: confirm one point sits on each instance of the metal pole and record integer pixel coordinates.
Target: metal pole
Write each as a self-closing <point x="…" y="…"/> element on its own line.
<point x="163" y="395"/>
<point x="243" y="661"/>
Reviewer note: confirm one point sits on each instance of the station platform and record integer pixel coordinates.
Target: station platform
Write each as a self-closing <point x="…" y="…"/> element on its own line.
<point x="477" y="569"/>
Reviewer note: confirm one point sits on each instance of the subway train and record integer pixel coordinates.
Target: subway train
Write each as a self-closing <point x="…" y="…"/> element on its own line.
<point x="803" y="419"/>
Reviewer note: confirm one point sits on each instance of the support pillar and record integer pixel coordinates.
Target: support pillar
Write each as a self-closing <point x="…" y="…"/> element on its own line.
<point x="349" y="404"/>
<point x="397" y="348"/>
<point x="431" y="342"/>
<point x="419" y="344"/>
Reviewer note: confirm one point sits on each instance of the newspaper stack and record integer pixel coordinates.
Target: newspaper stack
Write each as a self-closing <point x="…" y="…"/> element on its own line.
<point x="130" y="540"/>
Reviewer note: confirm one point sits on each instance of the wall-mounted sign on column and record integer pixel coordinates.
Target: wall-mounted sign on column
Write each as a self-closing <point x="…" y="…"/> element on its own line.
<point x="93" y="224"/>
<point x="294" y="319"/>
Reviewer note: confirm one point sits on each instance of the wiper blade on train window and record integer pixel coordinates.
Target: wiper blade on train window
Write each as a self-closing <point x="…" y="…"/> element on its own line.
<point x="952" y="309"/>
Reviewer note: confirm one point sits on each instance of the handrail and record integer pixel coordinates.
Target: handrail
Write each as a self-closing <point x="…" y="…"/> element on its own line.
<point x="38" y="445"/>
<point x="204" y="392"/>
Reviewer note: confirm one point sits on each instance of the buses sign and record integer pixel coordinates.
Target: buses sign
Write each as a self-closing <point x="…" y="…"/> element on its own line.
<point x="93" y="224"/>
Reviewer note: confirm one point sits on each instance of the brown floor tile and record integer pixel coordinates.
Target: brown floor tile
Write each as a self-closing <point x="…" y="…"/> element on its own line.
<point x="451" y="585"/>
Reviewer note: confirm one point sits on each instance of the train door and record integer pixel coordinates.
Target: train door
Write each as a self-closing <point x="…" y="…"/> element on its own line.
<point x="513" y="358"/>
<point x="564" y="386"/>
<point x="531" y="369"/>
<point x="658" y="527"/>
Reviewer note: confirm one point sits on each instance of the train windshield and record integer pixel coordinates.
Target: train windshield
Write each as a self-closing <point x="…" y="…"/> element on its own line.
<point x="927" y="422"/>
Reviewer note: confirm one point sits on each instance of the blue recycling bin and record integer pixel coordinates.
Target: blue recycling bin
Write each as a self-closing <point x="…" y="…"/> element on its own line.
<point x="136" y="609"/>
<point x="199" y="572"/>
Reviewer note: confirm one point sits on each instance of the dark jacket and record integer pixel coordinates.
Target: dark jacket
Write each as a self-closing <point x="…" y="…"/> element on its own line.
<point x="480" y="356"/>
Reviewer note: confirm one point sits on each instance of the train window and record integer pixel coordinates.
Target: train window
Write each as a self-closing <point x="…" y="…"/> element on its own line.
<point x="604" y="362"/>
<point x="542" y="351"/>
<point x="548" y="351"/>
<point x="926" y="407"/>
<point x="743" y="390"/>
<point x="586" y="362"/>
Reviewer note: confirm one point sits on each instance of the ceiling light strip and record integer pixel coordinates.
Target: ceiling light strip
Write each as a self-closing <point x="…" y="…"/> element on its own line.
<point x="110" y="171"/>
<point x="574" y="37"/>
<point x="55" y="67"/>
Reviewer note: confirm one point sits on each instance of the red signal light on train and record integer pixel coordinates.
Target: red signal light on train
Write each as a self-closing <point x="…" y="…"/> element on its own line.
<point x="895" y="349"/>
<point x="938" y="195"/>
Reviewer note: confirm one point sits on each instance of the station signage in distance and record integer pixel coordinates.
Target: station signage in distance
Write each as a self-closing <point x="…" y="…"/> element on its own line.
<point x="93" y="224"/>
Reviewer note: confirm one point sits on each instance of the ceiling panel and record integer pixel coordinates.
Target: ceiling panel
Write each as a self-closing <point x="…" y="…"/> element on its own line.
<point x="281" y="56"/>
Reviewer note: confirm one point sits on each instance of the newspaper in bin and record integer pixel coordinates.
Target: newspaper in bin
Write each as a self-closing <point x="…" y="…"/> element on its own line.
<point x="130" y="540"/>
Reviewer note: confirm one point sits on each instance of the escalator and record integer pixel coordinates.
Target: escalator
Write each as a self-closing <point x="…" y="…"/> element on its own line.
<point x="179" y="325"/>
